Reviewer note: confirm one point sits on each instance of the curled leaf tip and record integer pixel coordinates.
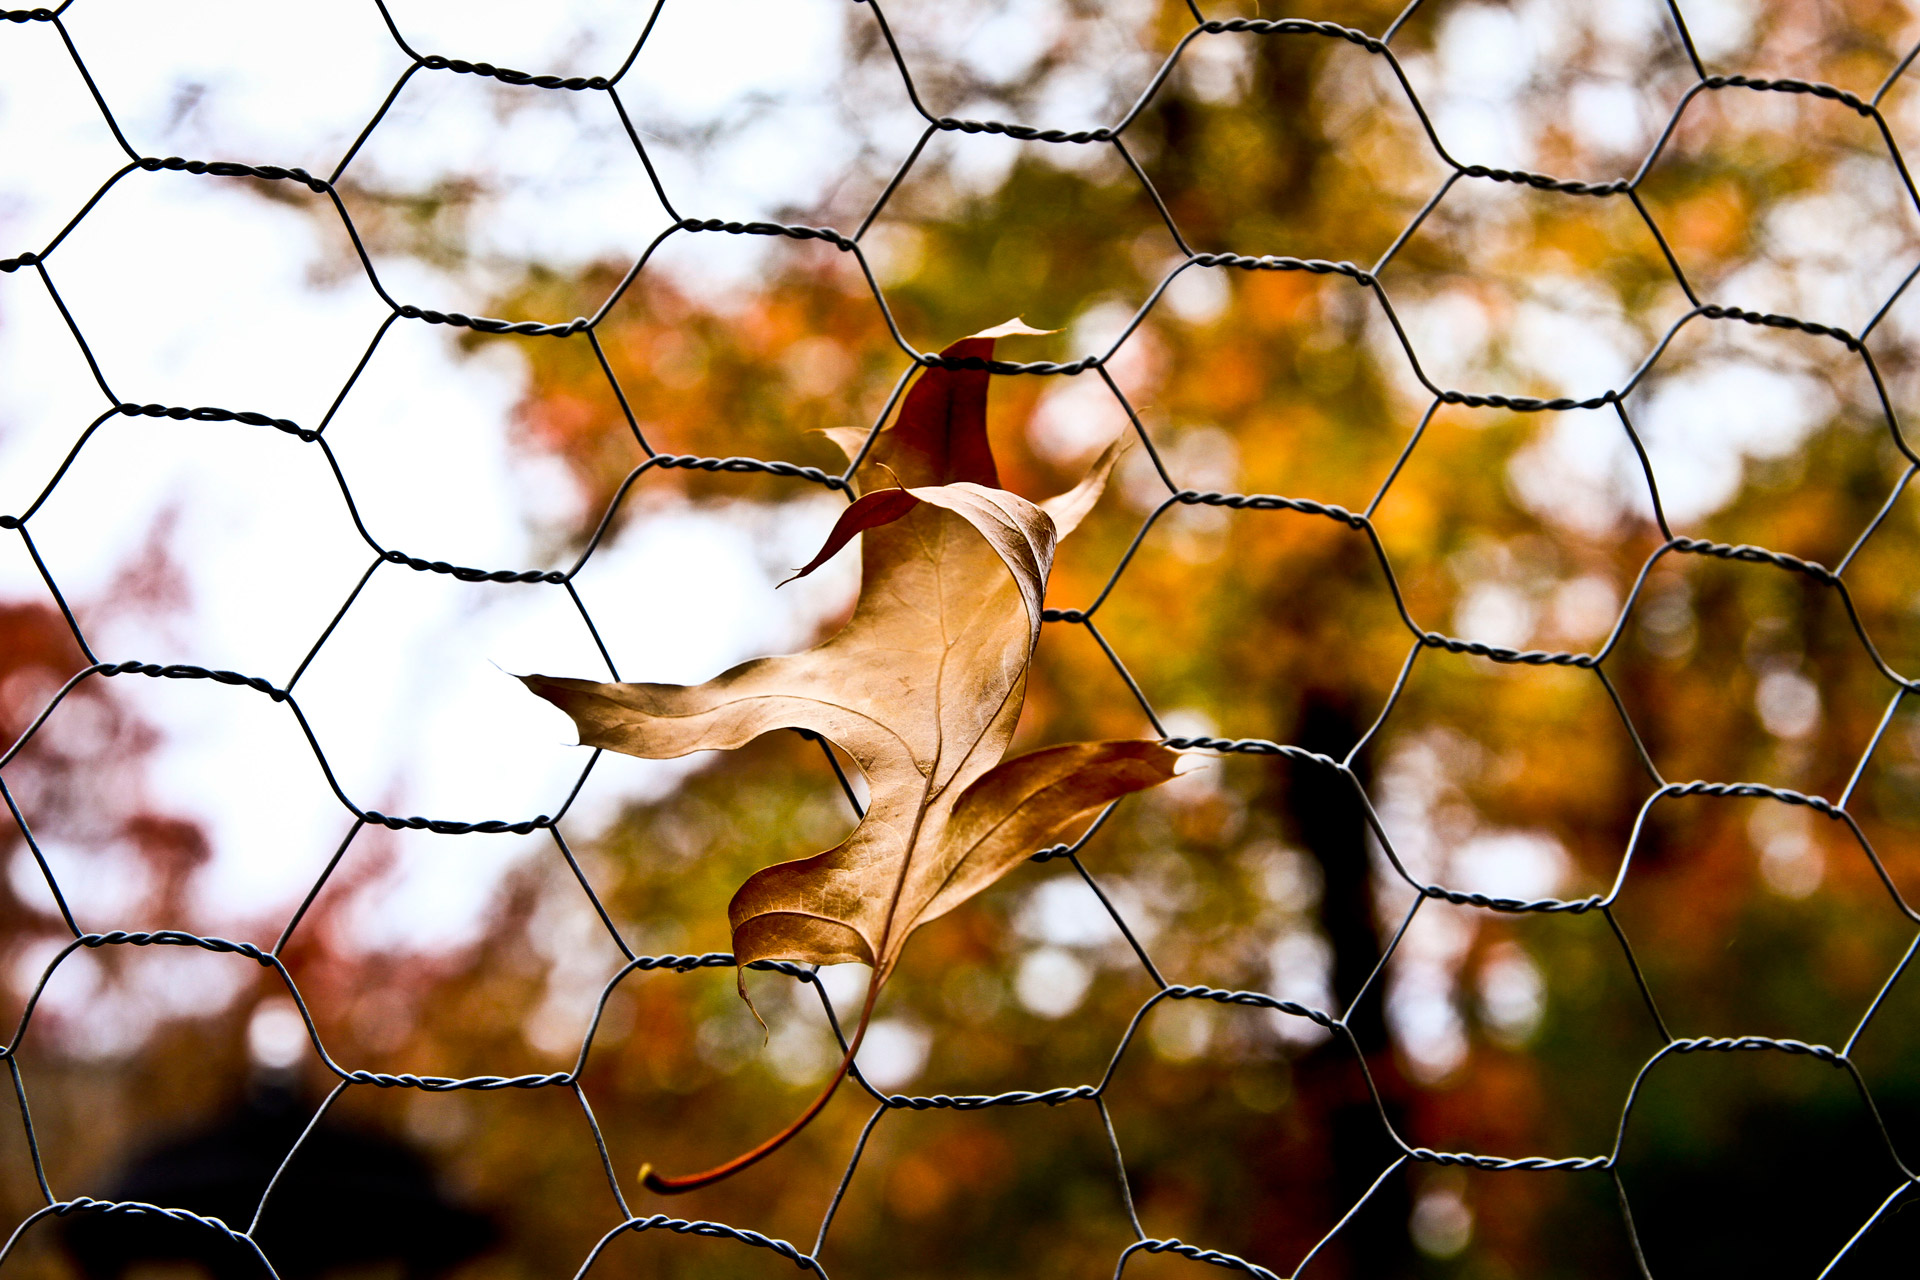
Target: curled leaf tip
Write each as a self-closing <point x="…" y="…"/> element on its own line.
<point x="1014" y="328"/>
<point x="740" y="983"/>
<point x="883" y="506"/>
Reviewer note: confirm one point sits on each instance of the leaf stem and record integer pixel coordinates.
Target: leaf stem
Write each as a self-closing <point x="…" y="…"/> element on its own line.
<point x="694" y="1181"/>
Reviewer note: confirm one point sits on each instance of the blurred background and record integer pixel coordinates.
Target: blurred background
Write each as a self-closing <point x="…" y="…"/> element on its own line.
<point x="181" y="1076"/>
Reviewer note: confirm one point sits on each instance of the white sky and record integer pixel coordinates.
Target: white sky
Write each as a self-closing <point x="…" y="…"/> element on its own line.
<point x="194" y="291"/>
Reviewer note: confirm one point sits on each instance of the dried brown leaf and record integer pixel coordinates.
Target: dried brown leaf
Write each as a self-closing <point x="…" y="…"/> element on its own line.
<point x="922" y="688"/>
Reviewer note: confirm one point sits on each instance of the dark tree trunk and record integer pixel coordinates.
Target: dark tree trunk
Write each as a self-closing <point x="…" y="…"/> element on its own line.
<point x="1329" y="821"/>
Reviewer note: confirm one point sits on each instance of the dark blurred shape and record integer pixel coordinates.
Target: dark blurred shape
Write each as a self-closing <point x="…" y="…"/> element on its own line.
<point x="1790" y="1181"/>
<point x="348" y="1201"/>
<point x="1331" y="822"/>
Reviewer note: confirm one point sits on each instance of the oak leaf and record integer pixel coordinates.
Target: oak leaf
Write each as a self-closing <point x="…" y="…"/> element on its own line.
<point x="922" y="688"/>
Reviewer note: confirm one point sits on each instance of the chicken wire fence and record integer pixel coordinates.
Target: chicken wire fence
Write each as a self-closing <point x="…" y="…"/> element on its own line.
<point x="44" y="263"/>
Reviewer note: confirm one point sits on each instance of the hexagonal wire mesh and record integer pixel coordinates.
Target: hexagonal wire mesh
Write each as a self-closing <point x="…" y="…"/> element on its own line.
<point x="44" y="262"/>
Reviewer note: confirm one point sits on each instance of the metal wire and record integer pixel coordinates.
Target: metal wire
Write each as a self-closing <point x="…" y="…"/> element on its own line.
<point x="387" y="559"/>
